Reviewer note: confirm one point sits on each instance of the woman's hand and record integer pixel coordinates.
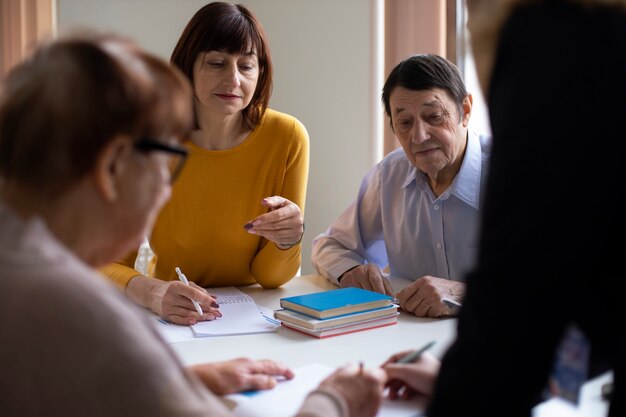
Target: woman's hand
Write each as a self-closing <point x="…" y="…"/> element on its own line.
<point x="283" y="224"/>
<point x="362" y="389"/>
<point x="171" y="300"/>
<point x="409" y="379"/>
<point x="241" y="374"/>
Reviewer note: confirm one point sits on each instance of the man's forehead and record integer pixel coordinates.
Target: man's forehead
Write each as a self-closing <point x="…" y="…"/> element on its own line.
<point x="434" y="98"/>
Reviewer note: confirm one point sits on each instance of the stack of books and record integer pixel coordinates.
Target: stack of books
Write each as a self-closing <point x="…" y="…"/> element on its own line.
<point x="335" y="312"/>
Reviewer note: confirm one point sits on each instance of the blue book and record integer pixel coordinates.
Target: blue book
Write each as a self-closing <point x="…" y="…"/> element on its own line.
<point x="337" y="302"/>
<point x="304" y="320"/>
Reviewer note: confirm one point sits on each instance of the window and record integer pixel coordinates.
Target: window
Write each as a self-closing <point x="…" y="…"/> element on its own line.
<point x="479" y="121"/>
<point x="22" y="24"/>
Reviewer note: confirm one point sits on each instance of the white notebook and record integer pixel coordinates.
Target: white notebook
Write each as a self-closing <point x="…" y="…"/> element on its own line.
<point x="240" y="315"/>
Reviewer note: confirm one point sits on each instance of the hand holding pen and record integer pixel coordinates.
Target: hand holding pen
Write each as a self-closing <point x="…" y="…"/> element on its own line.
<point x="361" y="388"/>
<point x="411" y="373"/>
<point x="183" y="304"/>
<point x="184" y="280"/>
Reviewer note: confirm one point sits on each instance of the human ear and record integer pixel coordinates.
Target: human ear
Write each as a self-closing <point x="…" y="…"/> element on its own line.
<point x="111" y="164"/>
<point x="468" y="102"/>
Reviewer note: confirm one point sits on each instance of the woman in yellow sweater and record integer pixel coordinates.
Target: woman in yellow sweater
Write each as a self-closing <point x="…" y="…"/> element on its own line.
<point x="236" y="212"/>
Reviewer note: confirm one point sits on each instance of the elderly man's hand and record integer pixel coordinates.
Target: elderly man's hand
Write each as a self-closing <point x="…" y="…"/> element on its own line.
<point x="367" y="277"/>
<point x="424" y="297"/>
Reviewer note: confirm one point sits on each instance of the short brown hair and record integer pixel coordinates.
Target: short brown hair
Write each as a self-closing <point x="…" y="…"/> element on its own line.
<point x="64" y="104"/>
<point x="234" y="29"/>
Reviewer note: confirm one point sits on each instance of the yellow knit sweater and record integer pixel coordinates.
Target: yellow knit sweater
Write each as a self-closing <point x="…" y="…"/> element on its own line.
<point x="201" y="228"/>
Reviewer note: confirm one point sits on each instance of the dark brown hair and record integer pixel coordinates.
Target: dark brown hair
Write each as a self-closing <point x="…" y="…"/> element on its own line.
<point x="65" y="103"/>
<point x="230" y="28"/>
<point x="425" y="72"/>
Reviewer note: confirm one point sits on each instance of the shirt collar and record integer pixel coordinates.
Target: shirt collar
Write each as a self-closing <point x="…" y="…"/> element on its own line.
<point x="466" y="185"/>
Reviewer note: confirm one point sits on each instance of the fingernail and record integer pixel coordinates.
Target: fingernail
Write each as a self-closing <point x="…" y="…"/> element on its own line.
<point x="215" y="304"/>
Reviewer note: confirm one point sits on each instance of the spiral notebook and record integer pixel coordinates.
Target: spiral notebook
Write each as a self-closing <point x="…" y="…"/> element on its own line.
<point x="240" y="315"/>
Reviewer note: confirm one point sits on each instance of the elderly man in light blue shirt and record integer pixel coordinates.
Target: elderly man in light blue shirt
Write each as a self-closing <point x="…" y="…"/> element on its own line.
<point x="417" y="211"/>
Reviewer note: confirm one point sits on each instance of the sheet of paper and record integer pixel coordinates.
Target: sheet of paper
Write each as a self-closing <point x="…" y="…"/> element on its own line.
<point x="556" y="407"/>
<point x="172" y="333"/>
<point x="240" y="315"/>
<point x="268" y="314"/>
<point x="286" y="398"/>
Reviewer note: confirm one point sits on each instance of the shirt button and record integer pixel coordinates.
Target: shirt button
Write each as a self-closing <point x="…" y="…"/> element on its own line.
<point x="436" y="206"/>
<point x="438" y="245"/>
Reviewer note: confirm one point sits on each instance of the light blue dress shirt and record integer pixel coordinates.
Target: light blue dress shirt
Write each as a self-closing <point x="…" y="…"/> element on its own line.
<point x="397" y="222"/>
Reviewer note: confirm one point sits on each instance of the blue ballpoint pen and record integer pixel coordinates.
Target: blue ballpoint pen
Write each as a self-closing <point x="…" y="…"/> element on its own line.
<point x="183" y="278"/>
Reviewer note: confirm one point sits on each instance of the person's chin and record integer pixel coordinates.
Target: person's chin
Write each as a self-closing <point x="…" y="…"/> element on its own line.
<point x="428" y="165"/>
<point x="228" y="108"/>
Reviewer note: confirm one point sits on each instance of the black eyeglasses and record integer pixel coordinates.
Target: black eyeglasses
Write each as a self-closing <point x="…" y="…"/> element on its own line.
<point x="178" y="154"/>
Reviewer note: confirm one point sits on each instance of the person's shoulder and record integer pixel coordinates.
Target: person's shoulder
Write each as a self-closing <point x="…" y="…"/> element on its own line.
<point x="275" y="118"/>
<point x="283" y="125"/>
<point x="395" y="160"/>
<point x="394" y="168"/>
<point x="276" y="115"/>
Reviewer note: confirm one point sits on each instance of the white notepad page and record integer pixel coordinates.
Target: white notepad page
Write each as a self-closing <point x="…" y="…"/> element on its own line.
<point x="240" y="315"/>
<point x="285" y="399"/>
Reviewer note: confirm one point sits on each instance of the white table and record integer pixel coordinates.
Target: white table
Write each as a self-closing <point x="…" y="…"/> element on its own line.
<point x="372" y="346"/>
<point x="294" y="349"/>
